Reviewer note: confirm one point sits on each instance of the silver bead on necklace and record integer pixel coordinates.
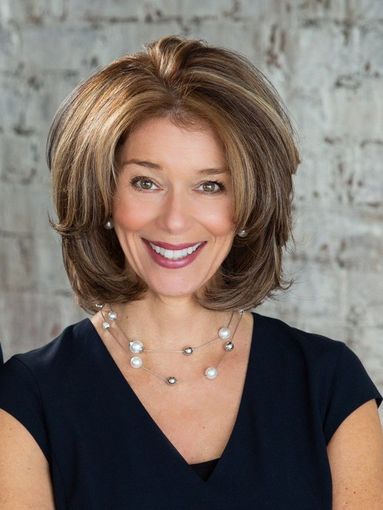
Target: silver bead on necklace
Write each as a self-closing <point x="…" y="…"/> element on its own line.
<point x="136" y="347"/>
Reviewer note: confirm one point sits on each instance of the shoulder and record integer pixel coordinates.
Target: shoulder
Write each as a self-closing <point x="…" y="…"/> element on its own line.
<point x="33" y="384"/>
<point x="326" y="365"/>
<point x="58" y="354"/>
<point x="331" y="373"/>
<point x="289" y="339"/>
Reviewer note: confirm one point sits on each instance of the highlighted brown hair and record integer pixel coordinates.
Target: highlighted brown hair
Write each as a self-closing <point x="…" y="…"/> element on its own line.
<point x="188" y="81"/>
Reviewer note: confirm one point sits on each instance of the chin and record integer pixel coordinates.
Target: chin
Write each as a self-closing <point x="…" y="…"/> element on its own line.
<point x="174" y="291"/>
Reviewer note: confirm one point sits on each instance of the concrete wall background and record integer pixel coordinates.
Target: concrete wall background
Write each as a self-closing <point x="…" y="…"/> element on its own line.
<point x="325" y="58"/>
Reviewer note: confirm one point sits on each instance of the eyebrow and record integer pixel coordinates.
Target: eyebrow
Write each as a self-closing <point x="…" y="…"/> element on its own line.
<point x="155" y="166"/>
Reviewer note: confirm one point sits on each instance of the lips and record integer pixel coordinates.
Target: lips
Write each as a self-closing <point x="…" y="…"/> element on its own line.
<point x="173" y="263"/>
<point x="168" y="246"/>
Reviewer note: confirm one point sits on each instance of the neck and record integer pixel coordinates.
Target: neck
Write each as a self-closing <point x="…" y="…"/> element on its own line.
<point x="170" y="323"/>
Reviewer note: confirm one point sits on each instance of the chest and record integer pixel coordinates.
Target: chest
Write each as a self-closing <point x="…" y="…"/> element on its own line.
<point x="199" y="415"/>
<point x="108" y="448"/>
<point x="198" y="422"/>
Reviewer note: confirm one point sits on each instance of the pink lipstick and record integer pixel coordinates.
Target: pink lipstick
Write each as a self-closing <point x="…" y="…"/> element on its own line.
<point x="175" y="263"/>
<point x="168" y="246"/>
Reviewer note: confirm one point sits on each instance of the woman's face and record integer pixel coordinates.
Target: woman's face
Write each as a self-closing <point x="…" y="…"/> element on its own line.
<point x="173" y="190"/>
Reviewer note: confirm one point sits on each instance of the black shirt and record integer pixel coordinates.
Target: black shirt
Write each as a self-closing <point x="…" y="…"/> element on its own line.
<point x="106" y="453"/>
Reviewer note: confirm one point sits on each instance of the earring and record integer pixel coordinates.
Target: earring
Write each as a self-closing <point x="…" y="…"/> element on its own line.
<point x="242" y="233"/>
<point x="108" y="225"/>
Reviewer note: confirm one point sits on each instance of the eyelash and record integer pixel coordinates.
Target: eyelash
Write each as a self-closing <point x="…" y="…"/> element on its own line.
<point x="135" y="180"/>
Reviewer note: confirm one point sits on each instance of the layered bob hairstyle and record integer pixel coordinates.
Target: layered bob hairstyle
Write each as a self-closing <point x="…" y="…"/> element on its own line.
<point x="187" y="81"/>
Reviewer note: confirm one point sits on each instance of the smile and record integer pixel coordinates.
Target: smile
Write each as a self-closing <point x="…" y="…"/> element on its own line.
<point x="175" y="254"/>
<point x="174" y="259"/>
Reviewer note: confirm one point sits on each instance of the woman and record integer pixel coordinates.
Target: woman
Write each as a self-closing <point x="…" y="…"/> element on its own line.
<point x="172" y="179"/>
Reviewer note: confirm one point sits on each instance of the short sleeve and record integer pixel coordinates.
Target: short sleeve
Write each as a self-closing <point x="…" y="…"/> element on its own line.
<point x="20" y="397"/>
<point x="351" y="387"/>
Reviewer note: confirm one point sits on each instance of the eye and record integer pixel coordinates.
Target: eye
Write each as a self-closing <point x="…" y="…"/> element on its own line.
<point x="141" y="183"/>
<point x="213" y="187"/>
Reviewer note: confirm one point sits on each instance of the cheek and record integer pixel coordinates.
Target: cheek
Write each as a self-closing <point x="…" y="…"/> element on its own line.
<point x="219" y="220"/>
<point x="129" y="216"/>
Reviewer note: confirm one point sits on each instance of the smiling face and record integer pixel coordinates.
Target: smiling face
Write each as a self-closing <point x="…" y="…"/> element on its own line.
<point x="174" y="189"/>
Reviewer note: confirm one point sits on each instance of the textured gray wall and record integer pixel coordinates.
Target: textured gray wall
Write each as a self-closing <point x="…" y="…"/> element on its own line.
<point x="325" y="58"/>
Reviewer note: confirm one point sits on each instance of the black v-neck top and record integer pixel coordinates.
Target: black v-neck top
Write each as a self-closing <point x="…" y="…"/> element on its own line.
<point x="105" y="452"/>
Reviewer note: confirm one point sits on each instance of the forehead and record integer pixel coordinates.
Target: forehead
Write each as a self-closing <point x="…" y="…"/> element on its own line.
<point x="159" y="137"/>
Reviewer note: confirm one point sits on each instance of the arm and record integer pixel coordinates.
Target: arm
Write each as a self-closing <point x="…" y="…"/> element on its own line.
<point x="355" y="453"/>
<point x="24" y="471"/>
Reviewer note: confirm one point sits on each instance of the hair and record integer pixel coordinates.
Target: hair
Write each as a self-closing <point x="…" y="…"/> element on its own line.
<point x="189" y="82"/>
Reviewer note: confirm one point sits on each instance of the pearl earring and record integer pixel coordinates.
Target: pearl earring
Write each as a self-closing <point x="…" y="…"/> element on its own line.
<point x="242" y="233"/>
<point x="108" y="225"/>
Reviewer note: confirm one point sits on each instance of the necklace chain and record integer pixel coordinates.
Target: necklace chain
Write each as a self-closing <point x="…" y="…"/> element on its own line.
<point x="137" y="347"/>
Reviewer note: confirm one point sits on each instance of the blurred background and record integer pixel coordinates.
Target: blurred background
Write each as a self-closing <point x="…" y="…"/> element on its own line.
<point x="325" y="59"/>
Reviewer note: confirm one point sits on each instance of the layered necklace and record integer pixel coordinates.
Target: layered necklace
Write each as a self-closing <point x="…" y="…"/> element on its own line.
<point x="137" y="350"/>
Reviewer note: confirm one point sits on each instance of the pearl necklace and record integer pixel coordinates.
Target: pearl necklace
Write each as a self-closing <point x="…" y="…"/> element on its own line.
<point x="137" y="347"/>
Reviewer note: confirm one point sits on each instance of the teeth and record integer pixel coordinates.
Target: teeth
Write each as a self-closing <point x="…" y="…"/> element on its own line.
<point x="174" y="254"/>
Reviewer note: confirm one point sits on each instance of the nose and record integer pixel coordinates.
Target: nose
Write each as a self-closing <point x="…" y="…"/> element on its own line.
<point x="176" y="212"/>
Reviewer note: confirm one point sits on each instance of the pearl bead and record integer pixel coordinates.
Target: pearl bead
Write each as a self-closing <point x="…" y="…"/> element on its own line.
<point x="171" y="380"/>
<point x="136" y="346"/>
<point x="188" y="351"/>
<point x="112" y="315"/>
<point x="136" y="362"/>
<point x="229" y="346"/>
<point x="105" y="325"/>
<point x="224" y="333"/>
<point x="211" y="373"/>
